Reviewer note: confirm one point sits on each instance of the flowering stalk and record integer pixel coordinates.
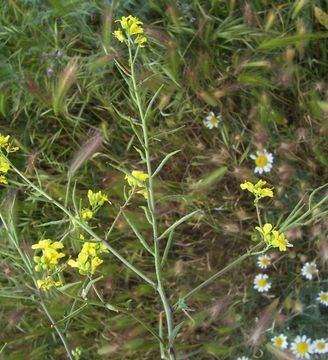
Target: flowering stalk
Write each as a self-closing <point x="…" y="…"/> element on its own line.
<point x="151" y="205"/>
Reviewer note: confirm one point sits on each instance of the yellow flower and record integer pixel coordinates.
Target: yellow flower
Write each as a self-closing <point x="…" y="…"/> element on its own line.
<point x="47" y="244"/>
<point x="97" y="199"/>
<point x="257" y="190"/>
<point x="119" y="35"/>
<point x="4" y="166"/>
<point x="90" y="248"/>
<point x="48" y="283"/>
<point x="3" y="180"/>
<point x="87" y="214"/>
<point x="131" y="26"/>
<point x="144" y="193"/>
<point x="273" y="237"/>
<point x="138" y="178"/>
<point x="4" y="141"/>
<point x="266" y="232"/>
<point x="87" y="260"/>
<point x="140" y="40"/>
<point x="279" y="241"/>
<point x="50" y="255"/>
<point x="95" y="262"/>
<point x="81" y="263"/>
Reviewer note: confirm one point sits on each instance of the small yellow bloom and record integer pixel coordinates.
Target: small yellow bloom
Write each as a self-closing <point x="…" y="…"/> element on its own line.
<point x="87" y="214"/>
<point x="3" y="180"/>
<point x="257" y="190"/>
<point x="138" y="178"/>
<point x="81" y="263"/>
<point x="279" y="241"/>
<point x="88" y="260"/>
<point x="144" y="193"/>
<point x="140" y="40"/>
<point x="95" y="262"/>
<point x="273" y="237"/>
<point x="48" y="283"/>
<point x="4" y="166"/>
<point x="50" y="255"/>
<point x="131" y="26"/>
<point x="47" y="244"/>
<point x="266" y="232"/>
<point x="90" y="248"/>
<point x="97" y="199"/>
<point x="119" y="35"/>
<point x="4" y="141"/>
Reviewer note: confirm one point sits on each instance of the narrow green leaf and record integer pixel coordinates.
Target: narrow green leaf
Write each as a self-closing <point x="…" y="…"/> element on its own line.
<point x="177" y="223"/>
<point x="164" y="161"/>
<point x="175" y="333"/>
<point x="291" y="40"/>
<point x="139" y="236"/>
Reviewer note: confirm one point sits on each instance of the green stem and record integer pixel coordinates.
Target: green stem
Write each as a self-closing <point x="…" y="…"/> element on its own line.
<point x="258" y="214"/>
<point x="53" y="324"/>
<point x="118" y="216"/>
<point x="222" y="271"/>
<point x="152" y="210"/>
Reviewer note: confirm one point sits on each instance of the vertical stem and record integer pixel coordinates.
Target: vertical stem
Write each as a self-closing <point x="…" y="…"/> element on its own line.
<point x="258" y="214"/>
<point x="152" y="210"/>
<point x="53" y="324"/>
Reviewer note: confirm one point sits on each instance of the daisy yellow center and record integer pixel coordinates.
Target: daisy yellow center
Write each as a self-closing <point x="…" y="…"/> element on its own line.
<point x="261" y="161"/>
<point x="324" y="297"/>
<point x="213" y="120"/>
<point x="302" y="348"/>
<point x="262" y="283"/>
<point x="321" y="346"/>
<point x="264" y="261"/>
<point x="279" y="342"/>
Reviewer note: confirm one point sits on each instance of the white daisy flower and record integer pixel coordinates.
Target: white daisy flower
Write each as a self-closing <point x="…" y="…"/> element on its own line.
<point x="280" y="341"/>
<point x="301" y="347"/>
<point x="212" y="121"/>
<point x="323" y="297"/>
<point x="320" y="346"/>
<point x="243" y="358"/>
<point x="309" y="269"/>
<point x="261" y="283"/>
<point x="263" y="161"/>
<point x="263" y="261"/>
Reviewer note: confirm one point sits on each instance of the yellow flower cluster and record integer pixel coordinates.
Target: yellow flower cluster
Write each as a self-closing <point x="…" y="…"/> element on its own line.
<point x="4" y="165"/>
<point x="48" y="282"/>
<point x="4" y="144"/>
<point x="88" y="259"/>
<point x="48" y="261"/>
<point x="50" y="254"/>
<point x="138" y="181"/>
<point x="257" y="189"/>
<point x="273" y="237"/>
<point x="96" y="200"/>
<point x="130" y="26"/>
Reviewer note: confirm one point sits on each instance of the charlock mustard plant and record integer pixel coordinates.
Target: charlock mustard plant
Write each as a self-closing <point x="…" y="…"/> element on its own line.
<point x="4" y="165"/>
<point x="48" y="261"/>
